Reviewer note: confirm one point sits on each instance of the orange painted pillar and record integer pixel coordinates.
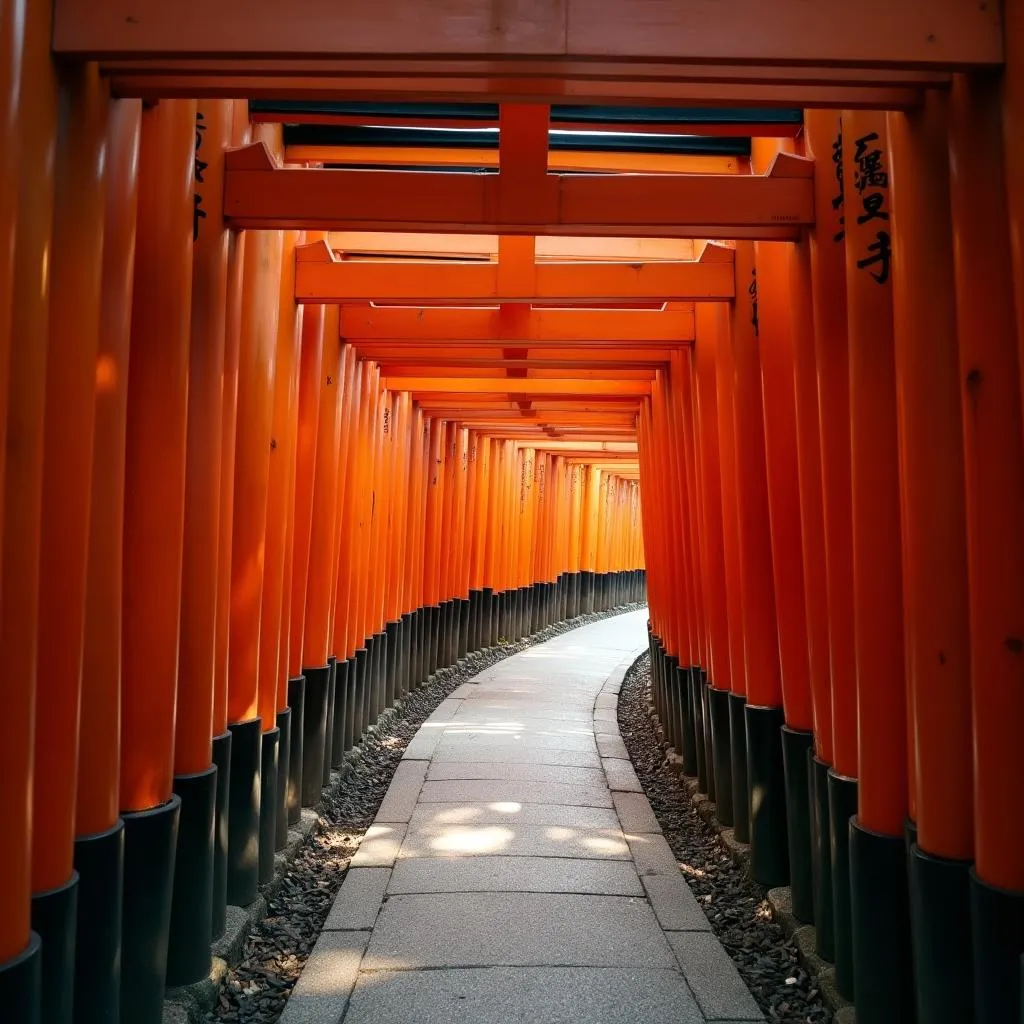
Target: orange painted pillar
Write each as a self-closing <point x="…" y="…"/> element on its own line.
<point x="311" y="350"/>
<point x="1012" y="107"/>
<point x="154" y="515"/>
<point x="272" y="685"/>
<point x="261" y="274"/>
<point x="196" y="776"/>
<point x="320" y="572"/>
<point x="769" y="854"/>
<point x="99" y="846"/>
<point x="707" y="351"/>
<point x="834" y="769"/>
<point x="994" y="472"/>
<point x="75" y="259"/>
<point x="934" y="533"/>
<point x="776" y="334"/>
<point x="26" y="36"/>
<point x="878" y="893"/>
<point x="725" y="383"/>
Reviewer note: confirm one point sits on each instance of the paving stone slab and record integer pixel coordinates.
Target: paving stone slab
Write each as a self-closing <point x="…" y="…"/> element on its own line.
<point x="712" y="975"/>
<point x="652" y="855"/>
<point x="510" y="721"/>
<point x="470" y="738"/>
<point x="446" y="771"/>
<point x="519" y="755"/>
<point x="605" y="716"/>
<point x="514" y="874"/>
<point x="358" y="900"/>
<point x="515" y="840"/>
<point x="532" y="995"/>
<point x="446" y="710"/>
<point x="476" y="710"/>
<point x="523" y="929"/>
<point x="635" y="814"/>
<point x="621" y="776"/>
<point x="379" y="847"/>
<point x="512" y="813"/>
<point x="422" y="746"/>
<point x="675" y="906"/>
<point x="400" y="799"/>
<point x="321" y="994"/>
<point x="497" y="791"/>
<point x="609" y="745"/>
<point x="606" y="700"/>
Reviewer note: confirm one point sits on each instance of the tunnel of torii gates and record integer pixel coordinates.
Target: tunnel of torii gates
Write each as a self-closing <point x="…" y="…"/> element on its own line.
<point x="308" y="393"/>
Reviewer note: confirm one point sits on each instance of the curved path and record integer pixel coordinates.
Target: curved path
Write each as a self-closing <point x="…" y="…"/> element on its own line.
<point x="515" y="872"/>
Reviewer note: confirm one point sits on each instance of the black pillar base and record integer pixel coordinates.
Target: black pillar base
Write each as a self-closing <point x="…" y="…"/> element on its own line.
<point x="284" y="744"/>
<point x="997" y="919"/>
<point x="705" y="719"/>
<point x="391" y="666"/>
<point x="399" y="657"/>
<point x="188" y="941"/>
<point x="821" y="859"/>
<point x="684" y="711"/>
<point x="150" y="838"/>
<point x="99" y="861"/>
<point x="222" y="814"/>
<point x="342" y="711"/>
<point x="20" y="994"/>
<point x="380" y="658"/>
<point x="269" y="755"/>
<point x="296" y="745"/>
<point x="433" y="640"/>
<point x="795" y="745"/>
<point x="842" y="805"/>
<point x="766" y="786"/>
<point x="486" y="618"/>
<point x="325" y="770"/>
<point x="883" y="981"/>
<point x="408" y="633"/>
<point x="359" y="694"/>
<point x="314" y="732"/>
<point x="940" y="924"/>
<point x="244" y="812"/>
<point x="463" y="647"/>
<point x="54" y="917"/>
<point x="475" y="642"/>
<point x="738" y="747"/>
<point x="718" y="715"/>
<point x="695" y="708"/>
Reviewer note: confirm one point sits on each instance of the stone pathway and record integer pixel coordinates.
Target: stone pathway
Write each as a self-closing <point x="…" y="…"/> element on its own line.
<point x="515" y="871"/>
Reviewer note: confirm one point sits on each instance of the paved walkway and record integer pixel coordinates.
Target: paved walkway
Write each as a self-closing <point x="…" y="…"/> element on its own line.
<point x="515" y="872"/>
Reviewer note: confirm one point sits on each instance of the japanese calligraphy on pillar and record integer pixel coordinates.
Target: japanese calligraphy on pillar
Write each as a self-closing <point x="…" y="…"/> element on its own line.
<point x="752" y="292"/>
<point x="871" y="180"/>
<point x="198" y="213"/>
<point x="839" y="198"/>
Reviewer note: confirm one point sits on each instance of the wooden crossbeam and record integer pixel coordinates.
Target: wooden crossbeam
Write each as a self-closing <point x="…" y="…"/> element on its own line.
<point x="525" y="387"/>
<point x="872" y="33"/>
<point x="322" y="278"/>
<point x="413" y="355"/>
<point x="671" y="326"/>
<point x="769" y="207"/>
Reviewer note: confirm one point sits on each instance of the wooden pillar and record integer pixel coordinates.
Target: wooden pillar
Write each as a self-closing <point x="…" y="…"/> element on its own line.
<point x="153" y="534"/>
<point x="99" y="846"/>
<point x="994" y="470"/>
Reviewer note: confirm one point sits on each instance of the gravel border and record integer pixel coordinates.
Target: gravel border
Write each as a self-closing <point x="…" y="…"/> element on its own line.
<point x="735" y="905"/>
<point x="277" y="948"/>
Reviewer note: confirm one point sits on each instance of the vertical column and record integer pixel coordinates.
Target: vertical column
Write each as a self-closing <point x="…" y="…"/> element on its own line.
<point x="240" y="132"/>
<point x="775" y="316"/>
<point x="934" y="534"/>
<point x="99" y="846"/>
<point x="195" y="776"/>
<point x="284" y="410"/>
<point x="707" y="351"/>
<point x="764" y="688"/>
<point x="320" y="574"/>
<point x="30" y="109"/>
<point x="261" y="274"/>
<point x="878" y="872"/>
<point x="311" y="351"/>
<point x="994" y="471"/>
<point x="834" y="770"/>
<point x="76" y="252"/>
<point x="153" y="533"/>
